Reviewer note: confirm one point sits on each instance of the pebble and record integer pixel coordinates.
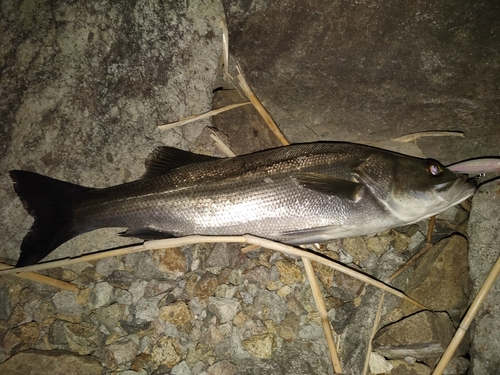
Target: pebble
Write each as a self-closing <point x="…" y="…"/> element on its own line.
<point x="101" y="295"/>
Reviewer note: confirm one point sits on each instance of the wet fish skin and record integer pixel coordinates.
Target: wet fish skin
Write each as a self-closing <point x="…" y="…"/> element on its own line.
<point x="296" y="194"/>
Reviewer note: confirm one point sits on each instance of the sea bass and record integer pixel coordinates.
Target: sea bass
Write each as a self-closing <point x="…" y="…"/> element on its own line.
<point x="298" y="194"/>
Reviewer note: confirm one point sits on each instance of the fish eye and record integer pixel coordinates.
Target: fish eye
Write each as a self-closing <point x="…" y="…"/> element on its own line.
<point x="434" y="169"/>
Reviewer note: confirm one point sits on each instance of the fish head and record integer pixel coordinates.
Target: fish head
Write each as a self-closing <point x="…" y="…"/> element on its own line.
<point x="410" y="188"/>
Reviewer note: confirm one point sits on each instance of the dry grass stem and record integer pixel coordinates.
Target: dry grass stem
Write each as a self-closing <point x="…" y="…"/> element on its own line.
<point x="213" y="112"/>
<point x="225" y="47"/>
<point x="260" y="108"/>
<point x="415" y="136"/>
<point x="56" y="283"/>
<point x="374" y="331"/>
<point x="222" y="146"/>
<point x="320" y="304"/>
<point x="467" y="320"/>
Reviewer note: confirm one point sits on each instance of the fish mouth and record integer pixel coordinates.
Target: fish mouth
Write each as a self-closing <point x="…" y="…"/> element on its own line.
<point x="457" y="190"/>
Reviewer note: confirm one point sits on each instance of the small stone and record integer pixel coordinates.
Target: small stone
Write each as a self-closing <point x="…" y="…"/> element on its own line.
<point x="222" y="368"/>
<point x="348" y="287"/>
<point x="269" y="305"/>
<point x="289" y="327"/>
<point x="258" y="274"/>
<point x="101" y="295"/>
<point x="123" y="296"/>
<point x="181" y="369"/>
<point x="141" y="361"/>
<point x="83" y="296"/>
<point x="378" y="245"/>
<point x="206" y="286"/>
<point x="224" y="308"/>
<point x="289" y="272"/>
<point x="356" y="247"/>
<point x="179" y="314"/>
<point x="120" y="279"/>
<point x="171" y="261"/>
<point x="65" y="302"/>
<point x="82" y="338"/>
<point x="201" y="353"/>
<point x="167" y="351"/>
<point x="121" y="352"/>
<point x="147" y="308"/>
<point x="457" y="366"/>
<point x="379" y="365"/>
<point x="137" y="289"/>
<point x="109" y="316"/>
<point x="260" y="346"/>
<point x="225" y="291"/>
<point x="422" y="335"/>
<point x="25" y="335"/>
<point x="50" y="362"/>
<point x="404" y="368"/>
<point x="107" y="265"/>
<point x="69" y="275"/>
<point x="156" y="287"/>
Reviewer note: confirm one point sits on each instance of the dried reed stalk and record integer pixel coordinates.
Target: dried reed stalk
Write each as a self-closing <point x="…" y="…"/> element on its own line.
<point x="213" y="112"/>
<point x="222" y="146"/>
<point x="225" y="47"/>
<point x="56" y="283"/>
<point x="260" y="108"/>
<point x="374" y="331"/>
<point x="467" y="320"/>
<point x="320" y="304"/>
<point x="415" y="136"/>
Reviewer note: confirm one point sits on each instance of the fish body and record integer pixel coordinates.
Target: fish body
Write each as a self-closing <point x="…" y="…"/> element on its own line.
<point x="297" y="194"/>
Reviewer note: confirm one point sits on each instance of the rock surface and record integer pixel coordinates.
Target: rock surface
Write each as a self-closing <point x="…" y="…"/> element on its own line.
<point x="484" y="250"/>
<point x="84" y="87"/>
<point x="56" y="362"/>
<point x="423" y="335"/>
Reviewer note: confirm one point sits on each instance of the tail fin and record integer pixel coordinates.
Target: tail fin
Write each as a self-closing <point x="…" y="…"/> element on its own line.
<point x="51" y="203"/>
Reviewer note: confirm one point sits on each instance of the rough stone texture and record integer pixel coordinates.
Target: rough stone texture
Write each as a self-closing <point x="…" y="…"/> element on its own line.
<point x="84" y="86"/>
<point x="404" y="368"/>
<point x="54" y="362"/>
<point x="378" y="364"/>
<point x="374" y="70"/>
<point x="441" y="279"/>
<point x="484" y="249"/>
<point x="261" y="346"/>
<point x="422" y="335"/>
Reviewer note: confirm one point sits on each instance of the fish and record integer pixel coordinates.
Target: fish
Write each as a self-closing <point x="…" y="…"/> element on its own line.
<point x="299" y="194"/>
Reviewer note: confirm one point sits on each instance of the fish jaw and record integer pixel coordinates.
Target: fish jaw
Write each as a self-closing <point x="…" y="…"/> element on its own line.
<point x="414" y="208"/>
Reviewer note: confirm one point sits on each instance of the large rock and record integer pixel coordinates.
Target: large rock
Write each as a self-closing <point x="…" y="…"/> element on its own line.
<point x="484" y="249"/>
<point x="54" y="362"/>
<point x="441" y="280"/>
<point x="374" y="70"/>
<point x="422" y="336"/>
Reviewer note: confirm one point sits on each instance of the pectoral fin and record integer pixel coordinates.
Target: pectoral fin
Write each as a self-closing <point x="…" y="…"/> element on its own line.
<point x="328" y="185"/>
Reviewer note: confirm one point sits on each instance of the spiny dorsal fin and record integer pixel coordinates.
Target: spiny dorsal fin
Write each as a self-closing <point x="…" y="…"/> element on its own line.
<point x="330" y="185"/>
<point x="163" y="159"/>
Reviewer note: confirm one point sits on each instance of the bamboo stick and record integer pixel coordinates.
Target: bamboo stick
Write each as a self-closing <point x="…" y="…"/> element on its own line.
<point x="213" y="112"/>
<point x="56" y="283"/>
<point x="467" y="320"/>
<point x="320" y="304"/>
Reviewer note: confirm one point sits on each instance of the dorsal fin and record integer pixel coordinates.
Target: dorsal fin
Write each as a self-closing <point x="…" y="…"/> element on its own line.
<point x="163" y="159"/>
